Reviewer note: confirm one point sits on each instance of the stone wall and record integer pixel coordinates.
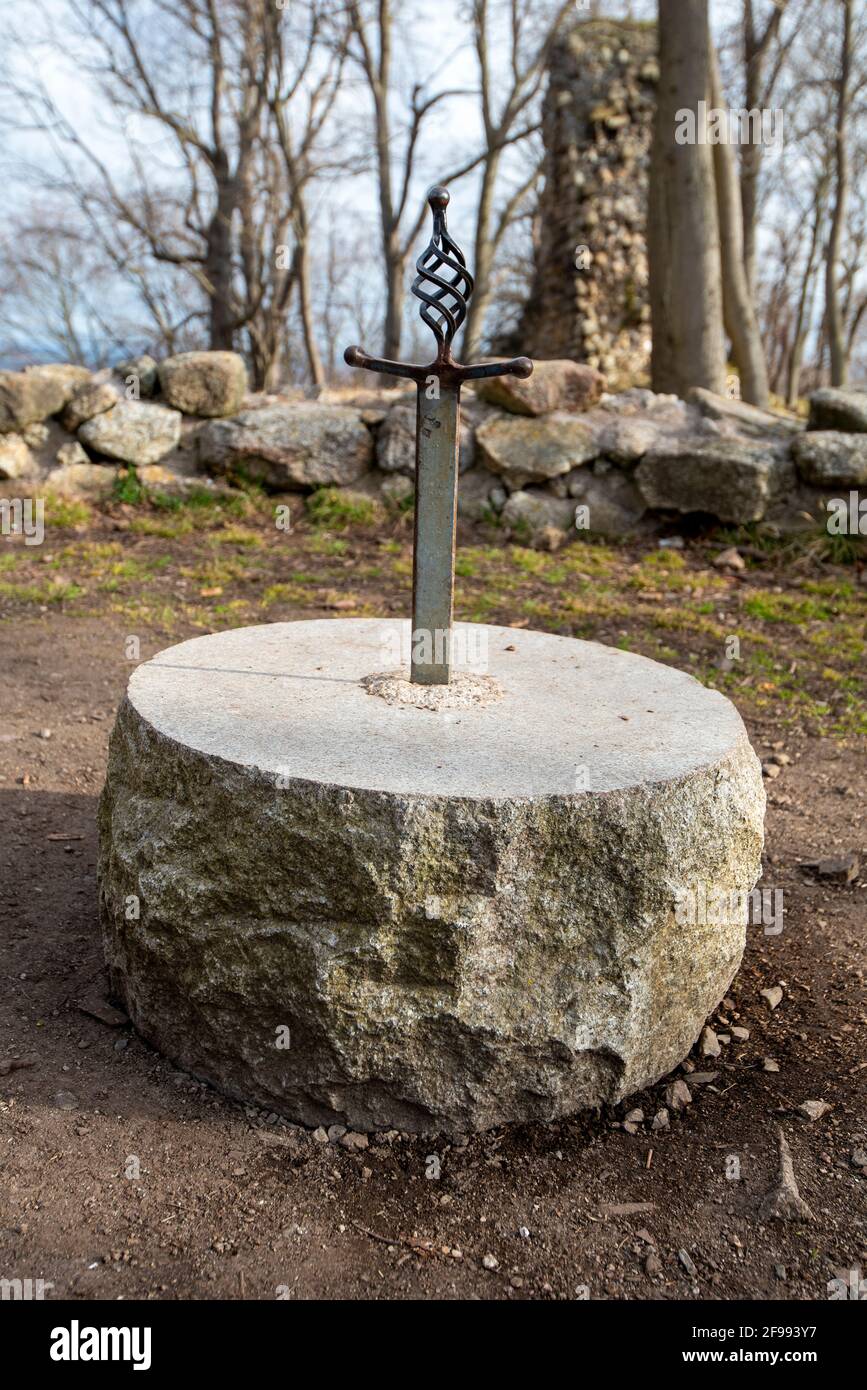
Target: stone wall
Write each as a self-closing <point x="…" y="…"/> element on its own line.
<point x="547" y="458"/>
<point x="589" y="291"/>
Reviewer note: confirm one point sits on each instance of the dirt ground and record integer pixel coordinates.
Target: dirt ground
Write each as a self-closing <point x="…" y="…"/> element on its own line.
<point x="122" y="1178"/>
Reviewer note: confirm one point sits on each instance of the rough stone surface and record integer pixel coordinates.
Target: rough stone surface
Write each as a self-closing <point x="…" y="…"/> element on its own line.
<point x="29" y="397"/>
<point x="833" y="408"/>
<point x="395" y="442"/>
<point x="558" y="385"/>
<point x="465" y="690"/>
<point x="204" y="383"/>
<point x="93" y="399"/>
<point x="82" y="479"/>
<point x="140" y="375"/>
<point x="747" y="419"/>
<point x="290" y="447"/>
<point x="530" y="451"/>
<point x="386" y="881"/>
<point x="735" y="480"/>
<point x="71" y="453"/>
<point x="16" y="460"/>
<point x="614" y="504"/>
<point x="831" y="458"/>
<point x="133" y="432"/>
<point x="532" y="514"/>
<point x="474" y="494"/>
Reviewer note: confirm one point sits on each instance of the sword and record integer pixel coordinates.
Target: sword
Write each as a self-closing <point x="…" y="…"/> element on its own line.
<point x="443" y="285"/>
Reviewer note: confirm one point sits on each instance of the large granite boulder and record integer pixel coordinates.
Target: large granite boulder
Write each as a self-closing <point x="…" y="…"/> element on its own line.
<point x="606" y="502"/>
<point x="289" y="447"/>
<point x="743" y="417"/>
<point x="16" y="459"/>
<point x="204" y="383"/>
<point x="82" y="479"/>
<point x="381" y="915"/>
<point x="93" y="399"/>
<point x="135" y="432"/>
<point x="834" y="408"/>
<point x="556" y="385"/>
<point x="28" y="397"/>
<point x="538" y="518"/>
<point x="831" y="458"/>
<point x="525" y="451"/>
<point x="735" y="480"/>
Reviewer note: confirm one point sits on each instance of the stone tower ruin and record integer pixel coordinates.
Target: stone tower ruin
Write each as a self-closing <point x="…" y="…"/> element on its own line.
<point x="588" y="298"/>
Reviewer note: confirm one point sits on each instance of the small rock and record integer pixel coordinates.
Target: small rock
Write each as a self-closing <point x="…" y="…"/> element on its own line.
<point x="708" y="1042"/>
<point x="335" y="1132"/>
<point x="780" y="1273"/>
<point x="813" y="1109"/>
<point x="320" y="1136"/>
<point x="490" y="1262"/>
<point x="660" y="1120"/>
<point x="353" y="1141"/>
<point x="859" y="1158"/>
<point x="773" y="996"/>
<point x="652" y="1265"/>
<point x="771" y="770"/>
<point x="636" y="1117"/>
<point x="66" y="1100"/>
<point x="678" y="1096"/>
<point x="730" y="559"/>
<point x="783" y="1202"/>
<point x="106" y="1013"/>
<point x="524" y="1232"/>
<point x="687" y="1262"/>
<point x="741" y="1034"/>
<point x="842" y="870"/>
<point x="768" y="1064"/>
<point x="703" y="1078"/>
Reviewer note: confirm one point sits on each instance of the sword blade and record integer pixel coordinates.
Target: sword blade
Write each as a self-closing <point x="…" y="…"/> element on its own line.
<point x="436" y="490"/>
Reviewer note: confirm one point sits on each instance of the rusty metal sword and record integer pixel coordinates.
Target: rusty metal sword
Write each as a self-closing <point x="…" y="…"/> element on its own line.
<point x="443" y="285"/>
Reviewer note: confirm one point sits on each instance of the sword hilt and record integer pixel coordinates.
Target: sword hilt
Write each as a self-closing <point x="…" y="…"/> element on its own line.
<point x="444" y="286"/>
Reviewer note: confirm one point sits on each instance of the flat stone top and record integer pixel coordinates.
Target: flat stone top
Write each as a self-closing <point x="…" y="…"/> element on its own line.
<point x="574" y="716"/>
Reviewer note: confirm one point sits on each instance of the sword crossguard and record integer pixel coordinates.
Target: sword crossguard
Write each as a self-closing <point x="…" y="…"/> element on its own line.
<point x="443" y="285"/>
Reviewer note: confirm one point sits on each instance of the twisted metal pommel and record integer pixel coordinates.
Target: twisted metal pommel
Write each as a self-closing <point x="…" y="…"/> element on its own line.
<point x="443" y="286"/>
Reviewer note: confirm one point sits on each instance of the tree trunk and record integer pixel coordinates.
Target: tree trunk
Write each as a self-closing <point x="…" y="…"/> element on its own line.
<point x="751" y="153"/>
<point x="218" y="266"/>
<point x="395" y="291"/>
<point x="483" y="257"/>
<point x="805" y="300"/>
<point x="739" y="312"/>
<point x="833" y="314"/>
<point x="683" y="232"/>
<point x="302" y="261"/>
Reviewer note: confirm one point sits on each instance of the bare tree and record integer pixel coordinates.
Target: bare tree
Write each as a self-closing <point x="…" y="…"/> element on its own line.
<point x="741" y="322"/>
<point x="507" y="117"/>
<point x="760" y="80"/>
<point x="683" y="228"/>
<point x="833" y="313"/>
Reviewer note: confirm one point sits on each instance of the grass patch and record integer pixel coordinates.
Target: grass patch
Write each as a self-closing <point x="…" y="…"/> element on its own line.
<point x="331" y="507"/>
